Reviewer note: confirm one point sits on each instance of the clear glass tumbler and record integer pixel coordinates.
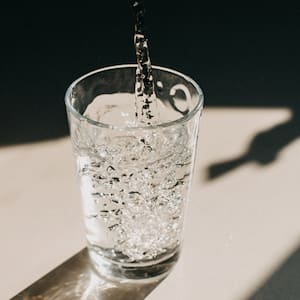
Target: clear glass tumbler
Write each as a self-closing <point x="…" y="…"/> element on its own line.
<point x="134" y="178"/>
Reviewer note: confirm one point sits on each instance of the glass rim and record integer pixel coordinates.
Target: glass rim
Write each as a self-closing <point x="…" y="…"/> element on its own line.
<point x="183" y="119"/>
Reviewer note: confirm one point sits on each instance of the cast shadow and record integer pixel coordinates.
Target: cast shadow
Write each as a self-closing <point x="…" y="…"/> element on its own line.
<point x="283" y="284"/>
<point x="264" y="147"/>
<point x="75" y="279"/>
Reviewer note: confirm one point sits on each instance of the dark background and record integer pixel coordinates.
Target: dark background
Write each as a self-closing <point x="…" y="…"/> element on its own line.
<point x="241" y="56"/>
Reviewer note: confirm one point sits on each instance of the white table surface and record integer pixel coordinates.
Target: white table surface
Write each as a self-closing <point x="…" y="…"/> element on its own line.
<point x="240" y="228"/>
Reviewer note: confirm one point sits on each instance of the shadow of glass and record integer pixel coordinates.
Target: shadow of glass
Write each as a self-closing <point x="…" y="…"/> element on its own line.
<point x="75" y="279"/>
<point x="283" y="284"/>
<point x="264" y="147"/>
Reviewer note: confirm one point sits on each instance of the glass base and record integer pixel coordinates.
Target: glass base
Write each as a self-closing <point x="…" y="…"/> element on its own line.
<point x="132" y="271"/>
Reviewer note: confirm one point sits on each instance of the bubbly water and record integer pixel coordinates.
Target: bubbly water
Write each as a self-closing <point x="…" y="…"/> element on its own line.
<point x="133" y="184"/>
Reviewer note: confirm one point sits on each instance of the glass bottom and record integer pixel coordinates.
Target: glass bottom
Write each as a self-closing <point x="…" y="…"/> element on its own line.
<point x="113" y="270"/>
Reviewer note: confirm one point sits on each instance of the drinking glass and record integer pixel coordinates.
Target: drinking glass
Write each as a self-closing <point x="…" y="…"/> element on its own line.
<point x="134" y="177"/>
